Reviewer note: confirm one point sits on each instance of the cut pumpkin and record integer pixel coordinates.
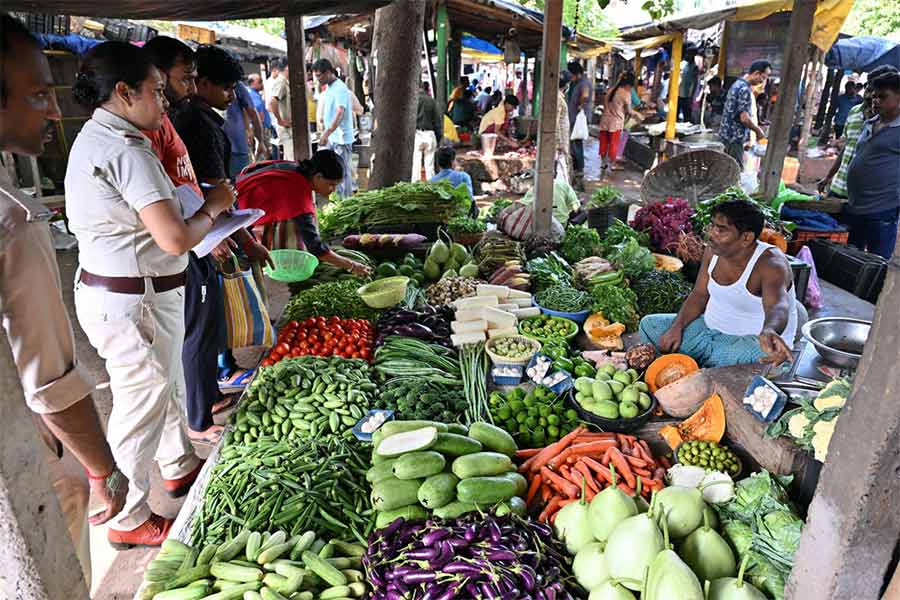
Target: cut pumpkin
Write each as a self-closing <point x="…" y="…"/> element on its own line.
<point x="770" y="236"/>
<point x="707" y="424"/>
<point x="667" y="369"/>
<point x="665" y="262"/>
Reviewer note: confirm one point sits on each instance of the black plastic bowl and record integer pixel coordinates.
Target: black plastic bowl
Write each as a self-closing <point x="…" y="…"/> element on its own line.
<point x="616" y="425"/>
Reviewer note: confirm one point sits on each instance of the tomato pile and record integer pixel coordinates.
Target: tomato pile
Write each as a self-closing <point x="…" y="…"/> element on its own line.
<point x="318" y="336"/>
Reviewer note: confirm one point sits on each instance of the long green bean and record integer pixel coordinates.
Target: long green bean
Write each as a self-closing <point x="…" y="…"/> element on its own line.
<point x="473" y="361"/>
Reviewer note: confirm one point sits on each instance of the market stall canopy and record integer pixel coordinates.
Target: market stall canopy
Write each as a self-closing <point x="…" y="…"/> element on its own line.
<point x="198" y="10"/>
<point x="254" y="37"/>
<point x="626" y="47"/>
<point x="480" y="50"/>
<point x="492" y="20"/>
<point x="863" y="53"/>
<point x="829" y="18"/>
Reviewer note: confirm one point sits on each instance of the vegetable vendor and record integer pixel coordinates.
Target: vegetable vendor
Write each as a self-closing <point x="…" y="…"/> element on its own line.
<point x="742" y="308"/>
<point x="497" y="121"/>
<point x="284" y="189"/>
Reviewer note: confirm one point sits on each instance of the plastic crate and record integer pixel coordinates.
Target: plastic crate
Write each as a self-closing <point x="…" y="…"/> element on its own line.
<point x="44" y="23"/>
<point x="823" y="252"/>
<point x="602" y="217"/>
<point x="858" y="272"/>
<point x="801" y="236"/>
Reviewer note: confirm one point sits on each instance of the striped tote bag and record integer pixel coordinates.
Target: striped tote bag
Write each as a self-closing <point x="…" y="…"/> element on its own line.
<point x="246" y="314"/>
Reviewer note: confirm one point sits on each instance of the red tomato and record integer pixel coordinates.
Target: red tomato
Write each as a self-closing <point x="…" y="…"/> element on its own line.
<point x="365" y="353"/>
<point x="267" y="362"/>
<point x="296" y="352"/>
<point x="294" y="324"/>
<point x="327" y="336"/>
<point x="357" y="355"/>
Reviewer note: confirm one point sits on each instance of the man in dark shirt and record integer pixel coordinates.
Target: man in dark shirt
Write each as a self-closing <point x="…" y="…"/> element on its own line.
<point x="873" y="178"/>
<point x="845" y="102"/>
<point x="734" y="130"/>
<point x="429" y="131"/>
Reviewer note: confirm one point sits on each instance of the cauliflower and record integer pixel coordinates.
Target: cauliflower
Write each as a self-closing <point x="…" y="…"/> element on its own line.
<point x="833" y="395"/>
<point x="797" y="425"/>
<point x="822" y="432"/>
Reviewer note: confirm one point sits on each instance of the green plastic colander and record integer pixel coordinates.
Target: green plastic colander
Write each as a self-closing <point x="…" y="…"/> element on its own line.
<point x="291" y="266"/>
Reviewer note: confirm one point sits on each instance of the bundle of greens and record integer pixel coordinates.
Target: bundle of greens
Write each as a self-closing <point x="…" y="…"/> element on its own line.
<point x="618" y="233"/>
<point x="660" y="292"/>
<point x="420" y="398"/>
<point x="404" y="202"/>
<point x="579" y="243"/>
<point x="605" y="195"/>
<point x="333" y="299"/>
<point x="466" y="225"/>
<point x="617" y="303"/>
<point x="631" y="258"/>
<point x="761" y="522"/>
<point x="491" y="212"/>
<point x="549" y="271"/>
<point x="703" y="217"/>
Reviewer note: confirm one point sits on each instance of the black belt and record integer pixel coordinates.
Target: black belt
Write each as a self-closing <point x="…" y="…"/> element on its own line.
<point x="131" y="285"/>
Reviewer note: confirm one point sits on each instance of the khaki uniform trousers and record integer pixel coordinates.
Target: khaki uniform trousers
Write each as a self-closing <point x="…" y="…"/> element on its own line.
<point x="140" y="338"/>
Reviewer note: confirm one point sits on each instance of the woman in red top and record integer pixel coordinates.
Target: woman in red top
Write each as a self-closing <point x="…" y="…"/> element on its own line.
<point x="284" y="190"/>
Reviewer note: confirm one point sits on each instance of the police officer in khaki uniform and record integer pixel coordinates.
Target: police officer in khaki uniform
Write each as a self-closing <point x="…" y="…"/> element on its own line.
<point x="129" y="291"/>
<point x="34" y="317"/>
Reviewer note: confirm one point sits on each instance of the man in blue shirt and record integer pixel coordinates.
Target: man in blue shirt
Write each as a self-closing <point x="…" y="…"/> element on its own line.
<point x="337" y="116"/>
<point x="845" y="102"/>
<point x="445" y="158"/>
<point x="256" y="92"/>
<point x="873" y="178"/>
<point x="240" y="116"/>
<point x="736" y="122"/>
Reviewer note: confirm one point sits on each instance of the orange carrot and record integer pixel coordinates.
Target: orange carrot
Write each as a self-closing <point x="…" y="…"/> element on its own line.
<point x="527" y="452"/>
<point x="567" y="501"/>
<point x="550" y="508"/>
<point x="546" y="492"/>
<point x="553" y="518"/>
<point x="628" y="491"/>
<point x="652" y="484"/>
<point x="571" y="460"/>
<point x="635" y="461"/>
<point x="642" y="472"/>
<point x="533" y="489"/>
<point x="569" y="489"/>
<point x="560" y="458"/>
<point x="588" y="476"/>
<point x="618" y="459"/>
<point x="595" y="437"/>
<point x="645" y="449"/>
<point x="599" y="469"/>
<point x="597" y="447"/>
<point x="541" y="459"/>
<point x="629" y="438"/>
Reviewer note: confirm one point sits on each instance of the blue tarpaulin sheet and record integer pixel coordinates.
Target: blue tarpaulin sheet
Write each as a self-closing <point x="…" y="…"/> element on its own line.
<point x="863" y="53"/>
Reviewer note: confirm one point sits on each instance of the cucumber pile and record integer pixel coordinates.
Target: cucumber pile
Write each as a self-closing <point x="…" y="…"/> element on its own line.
<point x="257" y="566"/>
<point x="305" y="397"/>
<point x="422" y="467"/>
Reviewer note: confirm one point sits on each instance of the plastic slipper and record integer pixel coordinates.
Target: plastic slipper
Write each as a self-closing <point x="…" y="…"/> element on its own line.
<point x="237" y="380"/>
<point x="226" y="403"/>
<point x="207" y="438"/>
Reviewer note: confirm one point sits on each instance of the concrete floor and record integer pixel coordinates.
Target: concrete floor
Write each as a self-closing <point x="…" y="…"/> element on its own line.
<point x="117" y="575"/>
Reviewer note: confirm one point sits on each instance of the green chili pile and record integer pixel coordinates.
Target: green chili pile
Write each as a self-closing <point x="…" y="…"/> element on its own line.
<point x="333" y="299"/>
<point x="660" y="292"/>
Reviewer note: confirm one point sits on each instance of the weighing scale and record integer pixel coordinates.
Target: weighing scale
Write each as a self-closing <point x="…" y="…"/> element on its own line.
<point x="810" y="368"/>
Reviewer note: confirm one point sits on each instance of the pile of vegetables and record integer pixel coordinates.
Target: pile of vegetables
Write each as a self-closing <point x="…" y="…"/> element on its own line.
<point x="660" y="292"/>
<point x="448" y="259"/>
<point x="591" y="271"/>
<point x="579" y="242"/>
<point x="257" y="565"/>
<point x="401" y="356"/>
<point x="547" y="328"/>
<point x="690" y="247"/>
<point x="429" y="324"/>
<point x="605" y="195"/>
<point x="665" y="222"/>
<point x="347" y="338"/>
<point x="450" y="289"/>
<point x="384" y="241"/>
<point x="703" y="217"/>
<point x="564" y="299"/>
<point x="404" y="202"/>
<point x="422" y="466"/>
<point x="512" y="275"/>
<point x="269" y="485"/>
<point x="613" y="393"/>
<point x="304" y="397"/>
<point x="708" y="455"/>
<point x="631" y="258"/>
<point x="619" y="233"/>
<point x="420" y="398"/>
<point x="617" y="304"/>
<point x="549" y="271"/>
<point x="326" y="273"/>
<point x="409" y="266"/>
<point x="812" y="424"/>
<point x="465" y="225"/>
<point x="473" y="363"/>
<point x="534" y="418"/>
<point x="334" y="299"/>
<point x="476" y="556"/>
<point x="494" y="250"/>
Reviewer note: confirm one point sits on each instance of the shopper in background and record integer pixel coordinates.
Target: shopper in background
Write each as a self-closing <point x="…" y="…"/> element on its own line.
<point x="612" y="121"/>
<point x="497" y="121"/>
<point x="259" y="105"/>
<point x="337" y="114"/>
<point x="446" y="159"/>
<point x="244" y="130"/>
<point x="483" y="100"/>
<point x="57" y="389"/>
<point x="736" y="120"/>
<point x="873" y="178"/>
<point x="845" y="102"/>
<point x="563" y="159"/>
<point x="129" y="297"/>
<point x="686" y="84"/>
<point x="278" y="101"/>
<point x="580" y="99"/>
<point x="429" y="131"/>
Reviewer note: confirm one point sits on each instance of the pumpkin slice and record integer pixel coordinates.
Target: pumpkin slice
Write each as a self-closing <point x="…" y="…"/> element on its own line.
<point x="707" y="424"/>
<point x="667" y="369"/>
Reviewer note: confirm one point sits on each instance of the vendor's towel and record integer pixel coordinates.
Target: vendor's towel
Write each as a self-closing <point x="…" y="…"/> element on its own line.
<point x="810" y="220"/>
<point x="246" y="314"/>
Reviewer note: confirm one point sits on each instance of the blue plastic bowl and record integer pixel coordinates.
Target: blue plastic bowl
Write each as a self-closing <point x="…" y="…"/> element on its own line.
<point x="780" y="399"/>
<point x="367" y="437"/>
<point x="578" y="317"/>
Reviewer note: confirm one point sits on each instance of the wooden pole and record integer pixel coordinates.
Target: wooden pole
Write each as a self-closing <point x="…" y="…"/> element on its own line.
<point x="297" y="64"/>
<point x="812" y="88"/>
<point x="637" y="64"/>
<point x="722" y="55"/>
<point x="827" y="127"/>
<point x="783" y="112"/>
<point x="536" y="94"/>
<point x="674" y="80"/>
<point x="442" y="83"/>
<point x="546" y="158"/>
<point x="823" y="101"/>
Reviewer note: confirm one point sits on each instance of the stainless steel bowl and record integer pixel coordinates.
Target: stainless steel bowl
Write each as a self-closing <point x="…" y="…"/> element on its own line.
<point x="838" y="340"/>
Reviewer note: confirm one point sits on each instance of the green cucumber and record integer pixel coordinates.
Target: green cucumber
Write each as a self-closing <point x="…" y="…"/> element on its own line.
<point x="324" y="570"/>
<point x="233" y="572"/>
<point x="454" y="510"/>
<point x="393" y="427"/>
<point x="338" y="591"/>
<point x="253" y="546"/>
<point x="275" y="552"/>
<point x="188" y="576"/>
<point x="411" y="512"/>
<point x="482" y="464"/>
<point x="381" y="471"/>
<point x="206" y="555"/>
<point x="454" y="444"/>
<point x="232" y="548"/>
<point x="493" y="438"/>
<point x="235" y="592"/>
<point x="184" y="593"/>
<point x="348" y="549"/>
<point x="487" y="490"/>
<point x="457" y="428"/>
<point x="416" y="465"/>
<point x="304" y="543"/>
<point x="393" y="493"/>
<point x="407" y="441"/>
<point x="438" y="490"/>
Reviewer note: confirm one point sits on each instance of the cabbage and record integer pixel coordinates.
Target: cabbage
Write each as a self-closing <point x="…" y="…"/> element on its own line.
<point x="717" y="487"/>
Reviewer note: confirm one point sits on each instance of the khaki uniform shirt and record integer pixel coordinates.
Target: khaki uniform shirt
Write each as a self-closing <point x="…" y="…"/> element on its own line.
<point x="281" y="91"/>
<point x="112" y="175"/>
<point x="32" y="309"/>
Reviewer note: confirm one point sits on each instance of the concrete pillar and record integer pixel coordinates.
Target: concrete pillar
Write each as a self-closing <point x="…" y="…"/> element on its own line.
<point x="37" y="560"/>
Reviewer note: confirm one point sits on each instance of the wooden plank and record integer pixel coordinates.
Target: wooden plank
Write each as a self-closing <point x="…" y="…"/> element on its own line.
<point x="546" y="157"/>
<point x="674" y="80"/>
<point x="297" y="64"/>
<point x="783" y="112"/>
<point x="813" y="84"/>
<point x="442" y="33"/>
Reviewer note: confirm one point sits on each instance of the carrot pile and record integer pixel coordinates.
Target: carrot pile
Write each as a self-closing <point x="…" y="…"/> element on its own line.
<point x="556" y="472"/>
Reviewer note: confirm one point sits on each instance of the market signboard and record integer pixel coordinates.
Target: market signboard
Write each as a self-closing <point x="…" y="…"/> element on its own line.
<point x="754" y="40"/>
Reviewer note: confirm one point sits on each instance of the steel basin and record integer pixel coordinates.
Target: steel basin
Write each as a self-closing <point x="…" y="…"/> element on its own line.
<point x="838" y="340"/>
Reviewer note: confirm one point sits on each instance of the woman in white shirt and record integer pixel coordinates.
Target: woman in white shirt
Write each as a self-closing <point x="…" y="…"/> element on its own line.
<point x="129" y="293"/>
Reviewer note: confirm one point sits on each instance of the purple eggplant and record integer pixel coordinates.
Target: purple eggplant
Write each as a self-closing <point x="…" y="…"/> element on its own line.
<point x="422" y="554"/>
<point x="461" y="568"/>
<point x="420" y="576"/>
<point x="435" y="536"/>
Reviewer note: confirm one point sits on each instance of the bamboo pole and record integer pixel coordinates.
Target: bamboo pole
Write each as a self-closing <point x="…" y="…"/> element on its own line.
<point x="674" y="81"/>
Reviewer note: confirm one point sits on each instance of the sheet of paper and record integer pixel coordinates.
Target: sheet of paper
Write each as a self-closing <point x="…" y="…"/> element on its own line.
<point x="226" y="224"/>
<point x="190" y="201"/>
